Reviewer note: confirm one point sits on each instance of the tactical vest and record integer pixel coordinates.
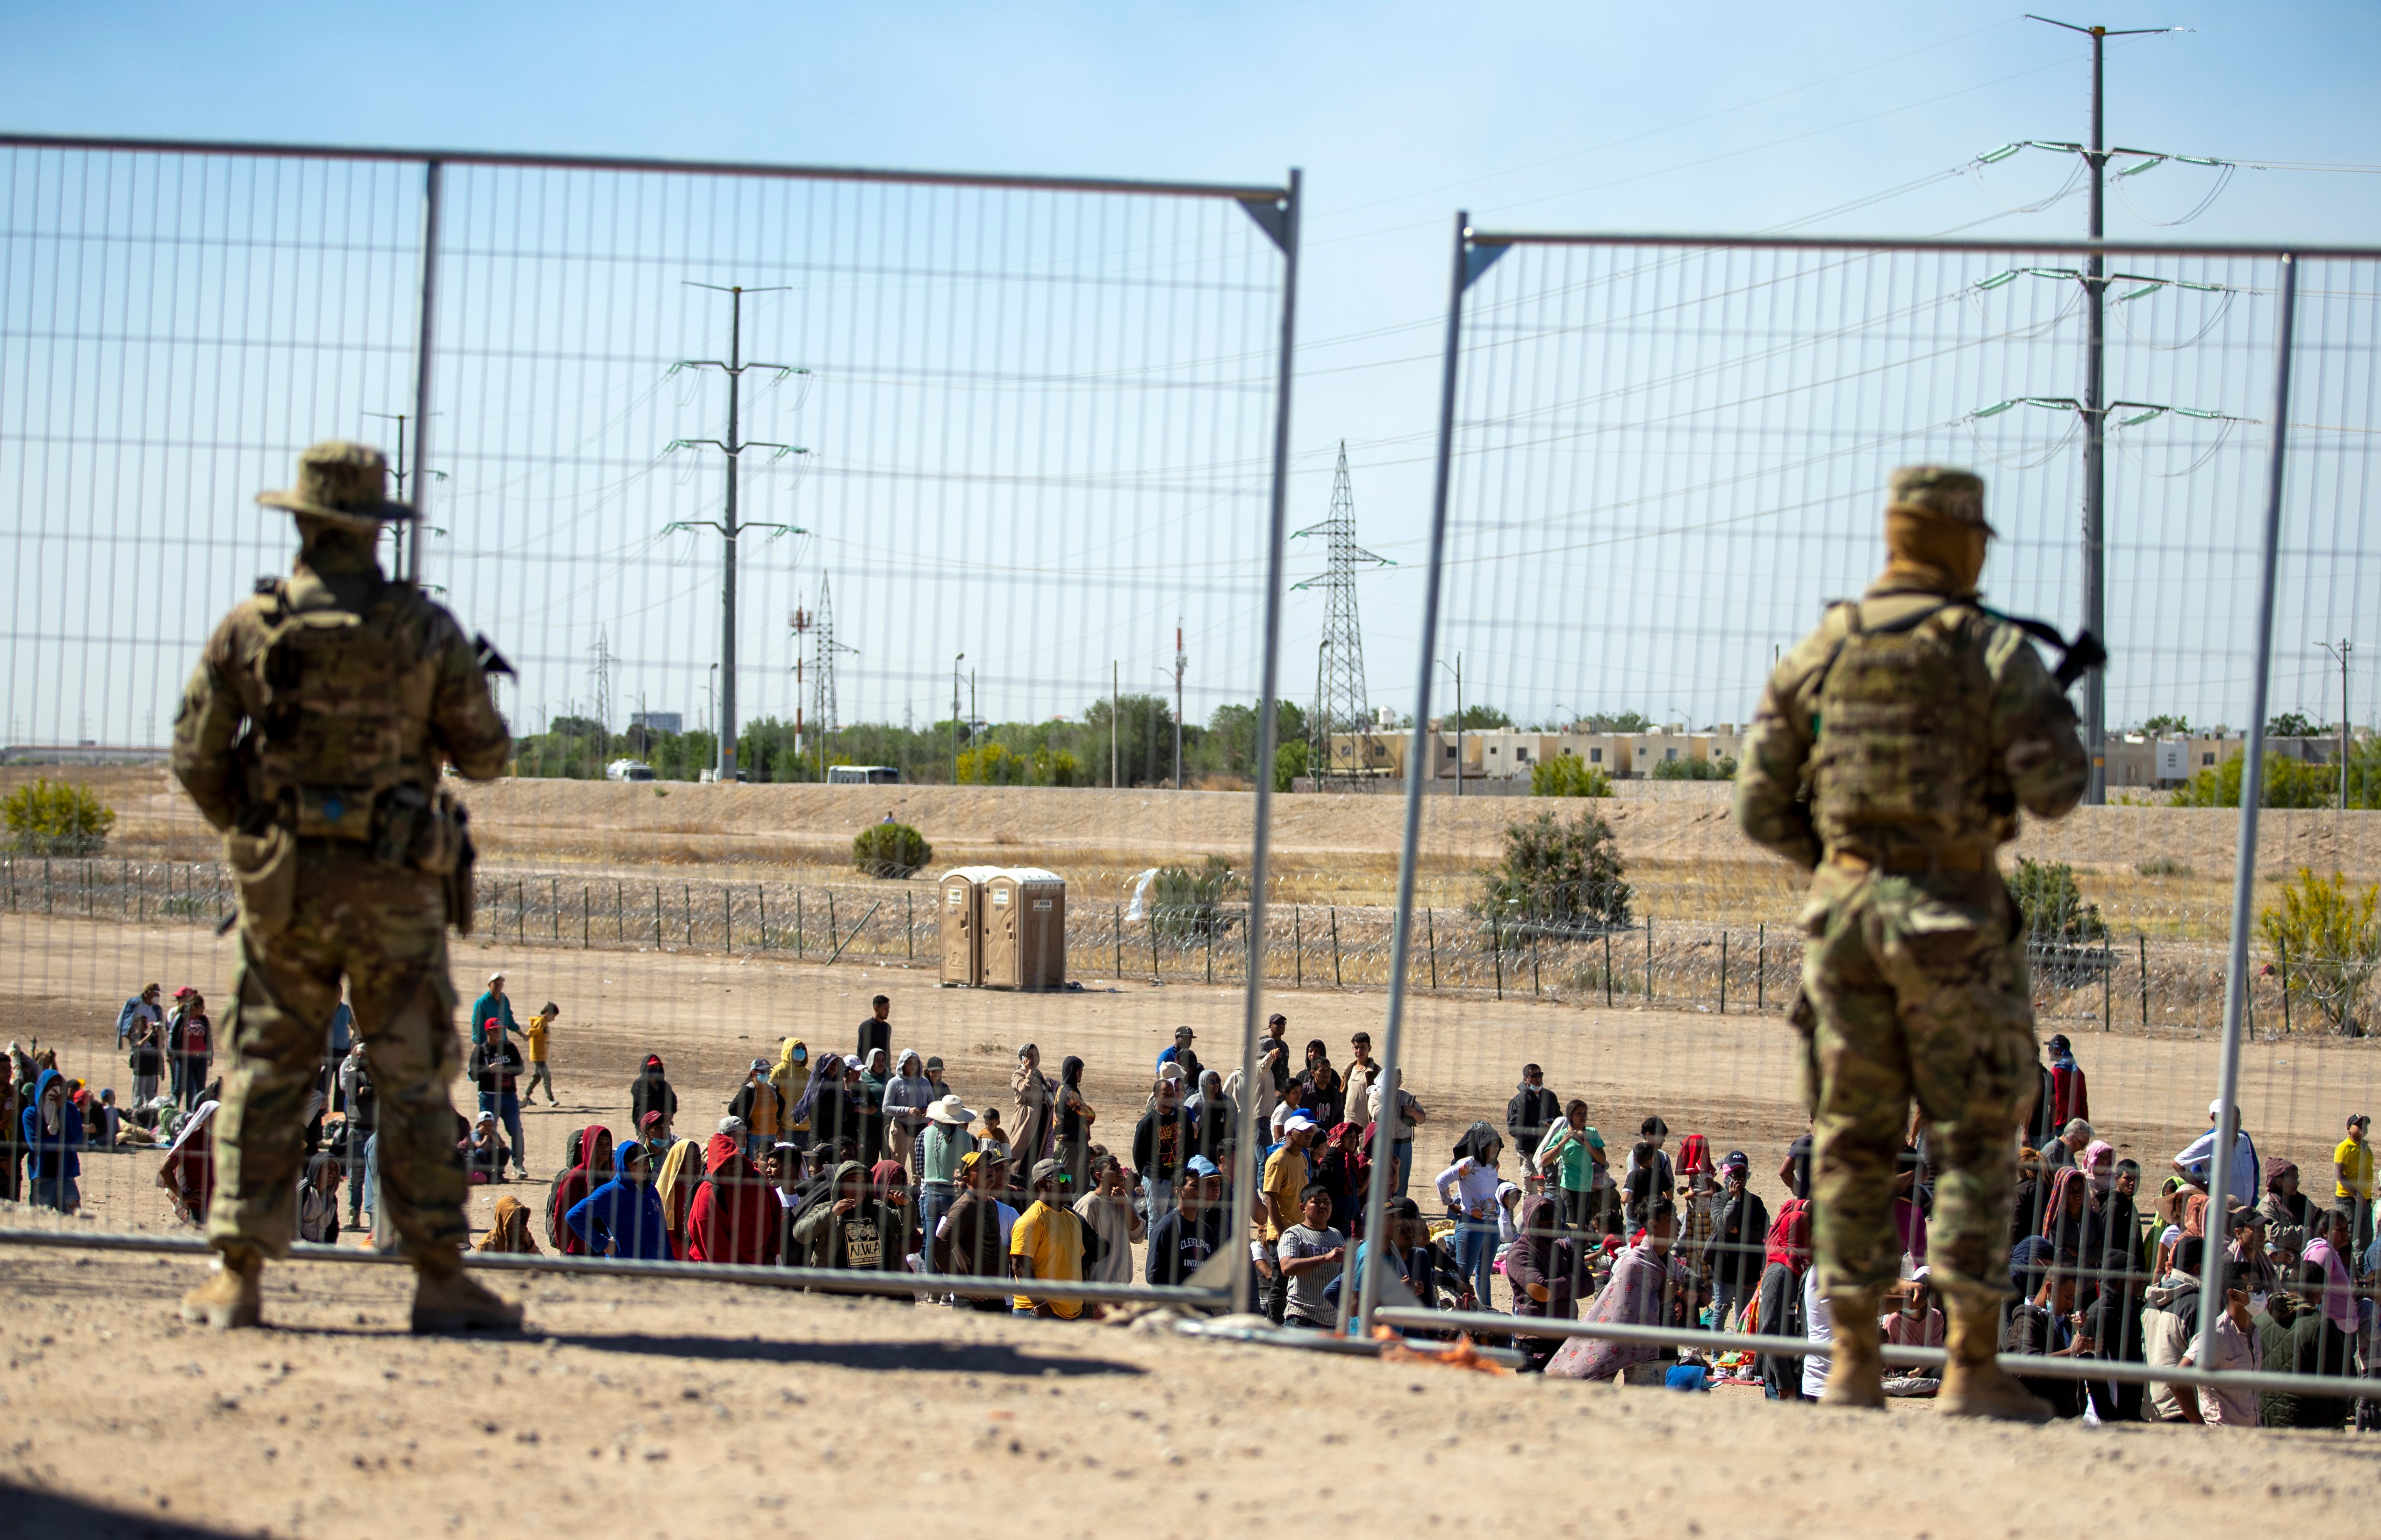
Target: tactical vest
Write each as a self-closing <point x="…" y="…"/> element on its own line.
<point x="344" y="712"/>
<point x="1904" y="756"/>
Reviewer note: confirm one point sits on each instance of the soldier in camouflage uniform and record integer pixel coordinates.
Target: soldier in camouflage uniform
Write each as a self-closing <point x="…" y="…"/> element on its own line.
<point x="1892" y="751"/>
<point x="313" y="735"/>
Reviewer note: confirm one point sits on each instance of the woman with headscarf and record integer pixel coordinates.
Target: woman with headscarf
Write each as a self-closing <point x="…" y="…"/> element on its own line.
<point x="1036" y="1094"/>
<point x="508" y="1232"/>
<point x="1542" y="1267"/>
<point x="591" y="1164"/>
<point x="2290" y="1217"/>
<point x="791" y="1076"/>
<point x="1787" y="1256"/>
<point x="673" y="1186"/>
<point x="729" y="1220"/>
<point x="2069" y="1222"/>
<point x="1211" y="1116"/>
<point x="1340" y="1165"/>
<point x="189" y="1174"/>
<point x="1073" y="1126"/>
<point x="623" y="1218"/>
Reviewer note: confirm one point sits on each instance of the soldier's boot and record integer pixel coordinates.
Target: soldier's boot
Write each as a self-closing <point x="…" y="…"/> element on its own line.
<point x="1856" y="1369"/>
<point x="231" y="1296"/>
<point x="1973" y="1385"/>
<point x="446" y="1300"/>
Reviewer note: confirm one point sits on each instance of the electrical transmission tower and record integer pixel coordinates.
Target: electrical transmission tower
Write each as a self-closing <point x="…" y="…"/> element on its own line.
<point x="1339" y="703"/>
<point x="734" y="367"/>
<point x="816" y="660"/>
<point x="602" y="672"/>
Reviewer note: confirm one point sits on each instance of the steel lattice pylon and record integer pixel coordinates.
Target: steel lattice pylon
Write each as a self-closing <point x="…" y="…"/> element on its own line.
<point x="1339" y="701"/>
<point x="824" y="648"/>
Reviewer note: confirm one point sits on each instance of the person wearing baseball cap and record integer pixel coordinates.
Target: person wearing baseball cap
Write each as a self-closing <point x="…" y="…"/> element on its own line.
<point x="1046" y="1245"/>
<point x="1740" y="1237"/>
<point x="1179" y="1052"/>
<point x="1287" y="1172"/>
<point x="2245" y="1179"/>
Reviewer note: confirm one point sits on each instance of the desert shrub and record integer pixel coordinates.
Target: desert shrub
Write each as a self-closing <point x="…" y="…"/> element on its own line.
<point x="57" y="818"/>
<point x="1569" y="775"/>
<point x="2162" y="866"/>
<point x="2327" y="939"/>
<point x="1720" y="769"/>
<point x="1289" y="763"/>
<point x="2053" y="905"/>
<point x="1555" y="875"/>
<point x="1187" y="904"/>
<point x="890" y="850"/>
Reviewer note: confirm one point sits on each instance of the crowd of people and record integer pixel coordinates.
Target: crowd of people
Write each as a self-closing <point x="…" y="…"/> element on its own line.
<point x="871" y="1160"/>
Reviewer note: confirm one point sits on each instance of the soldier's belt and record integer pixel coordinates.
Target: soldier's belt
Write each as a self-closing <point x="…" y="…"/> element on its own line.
<point x="1902" y="863"/>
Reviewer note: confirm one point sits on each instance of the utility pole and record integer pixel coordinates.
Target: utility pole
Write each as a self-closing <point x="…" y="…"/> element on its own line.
<point x="729" y="530"/>
<point x="1340" y="697"/>
<point x="955" y="661"/>
<point x="602" y="672"/>
<point x="1458" y="721"/>
<point x="2346" y="647"/>
<point x="1181" y="661"/>
<point x="401" y="530"/>
<point x="1116" y="703"/>
<point x="2095" y="415"/>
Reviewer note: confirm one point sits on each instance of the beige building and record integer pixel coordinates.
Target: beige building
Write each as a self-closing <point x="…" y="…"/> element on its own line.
<point x="1506" y="754"/>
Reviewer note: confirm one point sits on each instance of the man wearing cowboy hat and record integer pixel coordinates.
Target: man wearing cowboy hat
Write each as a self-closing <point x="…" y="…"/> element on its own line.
<point x="313" y="735"/>
<point x="944" y="1144"/>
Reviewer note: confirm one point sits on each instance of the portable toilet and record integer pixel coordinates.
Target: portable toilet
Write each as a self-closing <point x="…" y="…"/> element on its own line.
<point x="961" y="924"/>
<point x="1024" y="943"/>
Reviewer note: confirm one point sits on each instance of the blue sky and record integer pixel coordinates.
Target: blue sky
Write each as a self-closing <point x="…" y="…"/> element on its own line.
<point x="1702" y="118"/>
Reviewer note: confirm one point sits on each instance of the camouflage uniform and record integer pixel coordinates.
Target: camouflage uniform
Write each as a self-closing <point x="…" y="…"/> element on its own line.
<point x="312" y="734"/>
<point x="1892" y="750"/>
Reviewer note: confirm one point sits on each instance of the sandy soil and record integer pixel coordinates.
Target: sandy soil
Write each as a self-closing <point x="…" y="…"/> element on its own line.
<point x="1731" y="1078"/>
<point x="638" y="1409"/>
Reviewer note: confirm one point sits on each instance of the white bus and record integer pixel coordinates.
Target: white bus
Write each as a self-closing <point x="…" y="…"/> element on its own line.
<point x="863" y="774"/>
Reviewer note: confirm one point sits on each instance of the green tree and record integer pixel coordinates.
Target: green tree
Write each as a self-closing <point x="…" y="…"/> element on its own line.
<point x="1557" y="874"/>
<point x="57" y="818"/>
<point x="1144" y="740"/>
<point x="1185" y="905"/>
<point x="1621" y="722"/>
<point x="1720" y="769"/>
<point x="2327" y="939"/>
<point x="2159" y="726"/>
<point x="890" y="850"/>
<point x="1569" y="775"/>
<point x="2291" y="724"/>
<point x="1479" y="719"/>
<point x="1289" y="763"/>
<point x="1230" y="741"/>
<point x="2053" y="905"/>
<point x="2290" y="783"/>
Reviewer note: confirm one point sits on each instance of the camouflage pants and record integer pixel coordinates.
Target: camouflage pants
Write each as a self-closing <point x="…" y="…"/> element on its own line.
<point x="1920" y="992"/>
<point x="383" y="928"/>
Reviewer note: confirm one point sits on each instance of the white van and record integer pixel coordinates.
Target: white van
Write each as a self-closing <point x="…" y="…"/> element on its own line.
<point x="863" y="774"/>
<point x="628" y="770"/>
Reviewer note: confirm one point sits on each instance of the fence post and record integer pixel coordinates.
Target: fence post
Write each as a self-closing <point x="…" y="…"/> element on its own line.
<point x="834" y="931"/>
<point x="1608" y="965"/>
<point x="2282" y="964"/>
<point x="1496" y="943"/>
<point x="1297" y="950"/>
<point x="49" y="899"/>
<point x="2107" y="984"/>
<point x="1210" y="948"/>
<point x="686" y="902"/>
<point x="1649" y="958"/>
<point x="1533" y="963"/>
<point x="726" y="918"/>
<point x="761" y="907"/>
<point x="657" y="917"/>
<point x="586" y="917"/>
<point x="1153" y="974"/>
<point x="1761" y="967"/>
<point x="1334" y="945"/>
<point x="797" y="921"/>
<point x="142" y="890"/>
<point x="909" y="923"/>
<point x="1118" y="911"/>
<point x="2144" y="940"/>
<point x="520" y="912"/>
<point x="1430" y="929"/>
<point x="1723" y="972"/>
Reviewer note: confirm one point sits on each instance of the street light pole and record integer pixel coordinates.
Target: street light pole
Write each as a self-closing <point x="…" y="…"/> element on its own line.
<point x="1458" y="670"/>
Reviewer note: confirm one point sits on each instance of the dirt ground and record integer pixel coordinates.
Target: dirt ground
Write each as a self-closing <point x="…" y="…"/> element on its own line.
<point x="1731" y="1078"/>
<point x="637" y="1409"/>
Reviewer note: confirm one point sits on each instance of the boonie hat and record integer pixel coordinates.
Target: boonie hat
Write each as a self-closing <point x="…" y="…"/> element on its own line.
<point x="344" y="483"/>
<point x="950" y="1109"/>
<point x="1938" y="492"/>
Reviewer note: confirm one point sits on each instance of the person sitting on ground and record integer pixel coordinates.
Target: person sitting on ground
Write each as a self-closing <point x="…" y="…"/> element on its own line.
<point x="483" y="1152"/>
<point x="2295" y="1337"/>
<point x="507" y="1234"/>
<point x="2227" y="1340"/>
<point x="623" y="1218"/>
<point x="1047" y="1245"/>
<point x="1911" y="1319"/>
<point x="2042" y="1325"/>
<point x="318" y="1200"/>
<point x="1647" y="1287"/>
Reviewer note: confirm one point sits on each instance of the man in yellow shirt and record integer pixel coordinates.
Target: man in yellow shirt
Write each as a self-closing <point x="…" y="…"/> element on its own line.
<point x="539" y="1025"/>
<point x="2353" y="1165"/>
<point x="1287" y="1172"/>
<point x="1046" y="1243"/>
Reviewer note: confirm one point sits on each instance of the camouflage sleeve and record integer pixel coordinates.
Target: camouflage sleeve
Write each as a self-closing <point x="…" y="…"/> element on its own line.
<point x="207" y="725"/>
<point x="1772" y="804"/>
<point x="2033" y="723"/>
<point x="463" y="714"/>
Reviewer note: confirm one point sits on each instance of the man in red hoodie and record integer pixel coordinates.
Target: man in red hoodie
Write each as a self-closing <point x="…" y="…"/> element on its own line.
<point x="732" y="1217"/>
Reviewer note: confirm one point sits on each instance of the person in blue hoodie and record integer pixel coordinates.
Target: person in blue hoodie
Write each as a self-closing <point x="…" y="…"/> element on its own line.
<point x="623" y="1218"/>
<point x="52" y="1129"/>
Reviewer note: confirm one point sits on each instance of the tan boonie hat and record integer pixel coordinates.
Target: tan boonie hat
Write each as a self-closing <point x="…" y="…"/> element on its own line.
<point x="950" y="1109"/>
<point x="1939" y="491"/>
<point x="346" y="483"/>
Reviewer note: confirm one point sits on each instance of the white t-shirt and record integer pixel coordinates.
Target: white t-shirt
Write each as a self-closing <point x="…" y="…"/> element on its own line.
<point x="1814" y="1311"/>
